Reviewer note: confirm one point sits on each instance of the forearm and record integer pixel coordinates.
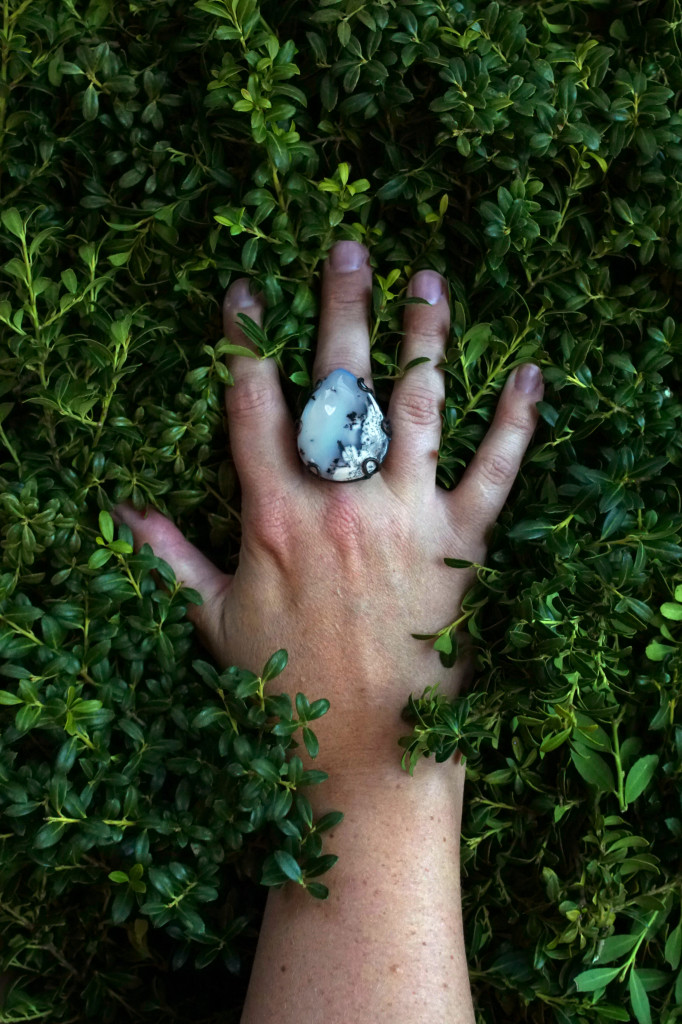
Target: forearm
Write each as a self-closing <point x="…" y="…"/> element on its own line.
<point x="387" y="944"/>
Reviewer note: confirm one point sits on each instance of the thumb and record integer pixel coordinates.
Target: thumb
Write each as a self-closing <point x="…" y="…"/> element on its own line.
<point x="191" y="567"/>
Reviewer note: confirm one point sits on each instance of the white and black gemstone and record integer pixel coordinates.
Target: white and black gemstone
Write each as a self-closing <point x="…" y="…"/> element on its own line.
<point x="343" y="434"/>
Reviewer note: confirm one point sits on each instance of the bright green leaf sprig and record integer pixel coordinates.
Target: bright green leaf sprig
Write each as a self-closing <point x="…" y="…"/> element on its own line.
<point x="672" y="611"/>
<point x="346" y="195"/>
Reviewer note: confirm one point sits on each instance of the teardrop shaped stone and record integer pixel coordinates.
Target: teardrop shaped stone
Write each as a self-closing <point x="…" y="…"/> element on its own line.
<point x="343" y="434"/>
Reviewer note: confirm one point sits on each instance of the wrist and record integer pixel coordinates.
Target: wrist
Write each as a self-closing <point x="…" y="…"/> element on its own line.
<point x="366" y="754"/>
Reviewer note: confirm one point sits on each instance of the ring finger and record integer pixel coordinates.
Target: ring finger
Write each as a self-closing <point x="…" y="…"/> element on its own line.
<point x="419" y="396"/>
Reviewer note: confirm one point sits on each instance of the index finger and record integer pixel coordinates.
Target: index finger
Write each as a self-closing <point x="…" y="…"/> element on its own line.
<point x="485" y="485"/>
<point x="260" y="427"/>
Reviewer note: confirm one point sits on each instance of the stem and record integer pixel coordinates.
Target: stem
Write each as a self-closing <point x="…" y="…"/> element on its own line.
<point x="227" y="710"/>
<point x="9" y="447"/>
<point x="25" y="632"/>
<point x="176" y="899"/>
<point x="129" y="575"/>
<point x="278" y="188"/>
<point x="3" y="73"/>
<point x="619" y="767"/>
<point x="629" y="962"/>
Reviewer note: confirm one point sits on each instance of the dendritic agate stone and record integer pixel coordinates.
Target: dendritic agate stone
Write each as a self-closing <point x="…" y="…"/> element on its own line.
<point x="343" y="434"/>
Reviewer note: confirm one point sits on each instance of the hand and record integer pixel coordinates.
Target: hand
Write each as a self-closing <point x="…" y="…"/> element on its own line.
<point x="341" y="574"/>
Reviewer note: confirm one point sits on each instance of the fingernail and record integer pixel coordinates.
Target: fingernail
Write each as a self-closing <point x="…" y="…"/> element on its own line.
<point x="528" y="378"/>
<point x="239" y="294"/>
<point x="426" y="284"/>
<point x="347" y="256"/>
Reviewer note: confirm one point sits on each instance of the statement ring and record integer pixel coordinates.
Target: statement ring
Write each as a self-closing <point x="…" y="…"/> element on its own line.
<point x="343" y="434"/>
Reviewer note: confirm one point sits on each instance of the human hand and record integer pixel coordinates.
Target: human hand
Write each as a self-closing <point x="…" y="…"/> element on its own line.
<point x="341" y="575"/>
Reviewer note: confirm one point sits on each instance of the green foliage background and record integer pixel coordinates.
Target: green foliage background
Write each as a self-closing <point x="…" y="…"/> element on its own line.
<point x="151" y="151"/>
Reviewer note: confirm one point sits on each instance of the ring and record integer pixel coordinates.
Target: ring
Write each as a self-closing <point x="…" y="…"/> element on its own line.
<point x="342" y="433"/>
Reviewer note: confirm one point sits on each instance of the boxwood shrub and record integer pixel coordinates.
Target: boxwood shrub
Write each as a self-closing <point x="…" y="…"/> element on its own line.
<point x="151" y="151"/>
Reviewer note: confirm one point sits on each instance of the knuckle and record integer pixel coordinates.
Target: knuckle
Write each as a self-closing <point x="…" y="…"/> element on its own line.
<point x="498" y="469"/>
<point x="340" y="300"/>
<point x="271" y="522"/>
<point x="344" y="524"/>
<point x="249" y="397"/>
<point x="517" y="421"/>
<point x="428" y="325"/>
<point x="420" y="408"/>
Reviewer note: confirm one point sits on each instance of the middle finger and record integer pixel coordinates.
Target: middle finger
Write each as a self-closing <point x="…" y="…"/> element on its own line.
<point x="343" y="339"/>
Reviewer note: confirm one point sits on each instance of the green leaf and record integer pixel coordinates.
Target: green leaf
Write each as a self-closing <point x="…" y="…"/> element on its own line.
<point x="310" y="740"/>
<point x="208" y="716"/>
<point x="657" y="652"/>
<point x="320" y="892"/>
<point x="302" y="706"/>
<point x="555" y="740"/>
<point x="530" y="529"/>
<point x="593" y="768"/>
<point x="443" y="643"/>
<point x="672" y="610"/>
<point x="320" y="865"/>
<point x="285" y="728"/>
<point x="247" y="687"/>
<point x="678" y="989"/>
<point x="673" y="947"/>
<point x="228" y="349"/>
<point x="275" y="665"/>
<point x="272" y="873"/>
<point x="318" y="708"/>
<point x="121" y="547"/>
<point x="639" y="999"/>
<point x="11" y="219"/>
<point x="394" y="187"/>
<point x="265" y="769"/>
<point x="162" y="881"/>
<point x="99" y="558"/>
<point x="591" y="981"/>
<point x="90" y="103"/>
<point x="474" y="343"/>
<point x="249" y="253"/>
<point x="343" y="32"/>
<point x="328" y="820"/>
<point x="646" y="140"/>
<point x="615" y="946"/>
<point x="639" y="776"/>
<point x="27" y="717"/>
<point x="118" y="876"/>
<point x="106" y="526"/>
<point x="70" y="280"/>
<point x="415" y="362"/>
<point x="9" y="698"/>
<point x="652" y="979"/>
<point x="49" y="834"/>
<point x="192" y="921"/>
<point x="288" y="865"/>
